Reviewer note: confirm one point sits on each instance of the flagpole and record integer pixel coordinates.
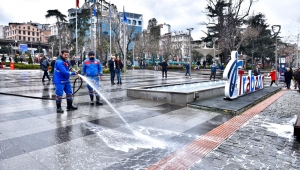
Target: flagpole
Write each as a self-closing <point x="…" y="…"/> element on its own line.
<point x="124" y="42"/>
<point x="76" y="41"/>
<point x="109" y="30"/>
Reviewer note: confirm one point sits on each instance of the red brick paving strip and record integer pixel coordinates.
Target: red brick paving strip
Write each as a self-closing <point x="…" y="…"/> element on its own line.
<point x="194" y="151"/>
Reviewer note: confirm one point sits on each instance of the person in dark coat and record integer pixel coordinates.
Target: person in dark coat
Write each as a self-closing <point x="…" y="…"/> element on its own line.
<point x="198" y="65"/>
<point x="112" y="69"/>
<point x="52" y="66"/>
<point x="204" y="64"/>
<point x="187" y="67"/>
<point x="119" y="67"/>
<point x="288" y="77"/>
<point x="256" y="71"/>
<point x="164" y="68"/>
<point x="44" y="64"/>
<point x="298" y="79"/>
<point x="295" y="78"/>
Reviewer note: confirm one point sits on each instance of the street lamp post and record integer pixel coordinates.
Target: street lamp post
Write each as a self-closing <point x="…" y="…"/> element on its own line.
<point x="15" y="47"/>
<point x="214" y="39"/>
<point x="52" y="44"/>
<point x="276" y="29"/>
<point x="252" y="51"/>
<point x="190" y="49"/>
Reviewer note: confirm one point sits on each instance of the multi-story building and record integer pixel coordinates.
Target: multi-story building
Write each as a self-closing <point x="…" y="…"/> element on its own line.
<point x="2" y="31"/>
<point x="176" y="45"/>
<point x="135" y="21"/>
<point x="103" y="23"/>
<point x="53" y="29"/>
<point x="26" y="32"/>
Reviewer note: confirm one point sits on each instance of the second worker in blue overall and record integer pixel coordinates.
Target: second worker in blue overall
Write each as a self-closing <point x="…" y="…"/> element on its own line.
<point x="92" y="68"/>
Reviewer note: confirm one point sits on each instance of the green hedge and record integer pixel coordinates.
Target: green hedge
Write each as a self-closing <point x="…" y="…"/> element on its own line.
<point x="22" y="66"/>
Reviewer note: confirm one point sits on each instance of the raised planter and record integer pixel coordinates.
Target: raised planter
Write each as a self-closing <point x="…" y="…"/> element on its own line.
<point x="174" y="97"/>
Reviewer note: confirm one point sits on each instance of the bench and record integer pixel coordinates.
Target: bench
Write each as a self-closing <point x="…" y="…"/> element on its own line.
<point x="297" y="126"/>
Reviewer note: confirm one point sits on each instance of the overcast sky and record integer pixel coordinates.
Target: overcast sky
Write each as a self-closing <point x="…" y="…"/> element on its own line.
<point x="180" y="14"/>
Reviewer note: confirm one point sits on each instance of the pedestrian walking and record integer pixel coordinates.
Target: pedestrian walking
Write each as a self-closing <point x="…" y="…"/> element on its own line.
<point x="44" y="65"/>
<point x="296" y="80"/>
<point x="62" y="81"/>
<point x="256" y="71"/>
<point x="112" y="69"/>
<point x="272" y="74"/>
<point x="73" y="63"/>
<point x="198" y="64"/>
<point x="164" y="68"/>
<point x="213" y="70"/>
<point x="92" y="68"/>
<point x="142" y="64"/>
<point x="204" y="64"/>
<point x="187" y="67"/>
<point x="222" y="68"/>
<point x="119" y="67"/>
<point x="288" y="77"/>
<point x="52" y="66"/>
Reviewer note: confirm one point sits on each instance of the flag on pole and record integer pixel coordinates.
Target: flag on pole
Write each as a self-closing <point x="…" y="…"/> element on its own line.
<point x="77" y="3"/>
<point x="124" y="16"/>
<point x="95" y="11"/>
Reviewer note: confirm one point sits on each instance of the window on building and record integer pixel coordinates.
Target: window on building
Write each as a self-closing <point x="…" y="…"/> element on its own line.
<point x="37" y="34"/>
<point x="28" y="33"/>
<point x="19" y="31"/>
<point x="32" y="29"/>
<point x="19" y="27"/>
<point x="32" y="33"/>
<point x="32" y="39"/>
<point x="24" y="38"/>
<point x="24" y="33"/>
<point x="37" y="39"/>
<point x="28" y="27"/>
<point x="140" y="22"/>
<point x="28" y="38"/>
<point x="24" y="28"/>
<point x="133" y="22"/>
<point x="20" y="37"/>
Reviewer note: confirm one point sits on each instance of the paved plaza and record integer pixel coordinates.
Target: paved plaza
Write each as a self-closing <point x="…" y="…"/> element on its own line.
<point x="138" y="133"/>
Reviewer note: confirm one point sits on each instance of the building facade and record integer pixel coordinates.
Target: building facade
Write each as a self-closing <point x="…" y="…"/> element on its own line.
<point x="26" y="32"/>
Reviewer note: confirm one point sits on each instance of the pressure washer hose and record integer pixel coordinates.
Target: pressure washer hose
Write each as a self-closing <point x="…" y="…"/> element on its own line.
<point x="44" y="98"/>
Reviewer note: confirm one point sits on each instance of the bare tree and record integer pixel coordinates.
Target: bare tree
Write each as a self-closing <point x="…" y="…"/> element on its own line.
<point x="118" y="30"/>
<point x="228" y="17"/>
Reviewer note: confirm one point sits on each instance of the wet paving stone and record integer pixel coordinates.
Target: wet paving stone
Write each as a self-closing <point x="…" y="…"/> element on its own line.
<point x="97" y="138"/>
<point x="261" y="147"/>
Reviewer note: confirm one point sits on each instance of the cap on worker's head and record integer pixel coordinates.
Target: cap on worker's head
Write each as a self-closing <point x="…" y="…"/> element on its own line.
<point x="91" y="53"/>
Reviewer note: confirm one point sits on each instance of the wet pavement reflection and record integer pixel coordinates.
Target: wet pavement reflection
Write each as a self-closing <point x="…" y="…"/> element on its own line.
<point x="34" y="136"/>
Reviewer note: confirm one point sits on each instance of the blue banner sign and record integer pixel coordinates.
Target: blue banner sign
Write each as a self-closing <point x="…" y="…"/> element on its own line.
<point x="23" y="47"/>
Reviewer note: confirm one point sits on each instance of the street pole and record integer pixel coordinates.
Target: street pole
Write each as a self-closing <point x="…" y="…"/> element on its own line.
<point x="252" y="51"/>
<point x="52" y="44"/>
<point x="190" y="49"/>
<point x="125" y="48"/>
<point x="76" y="50"/>
<point x="297" y="52"/>
<point x="109" y="30"/>
<point x="15" y="47"/>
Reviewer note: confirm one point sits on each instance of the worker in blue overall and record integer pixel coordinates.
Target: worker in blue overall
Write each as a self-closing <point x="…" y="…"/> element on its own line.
<point x="62" y="81"/>
<point x="92" y="68"/>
